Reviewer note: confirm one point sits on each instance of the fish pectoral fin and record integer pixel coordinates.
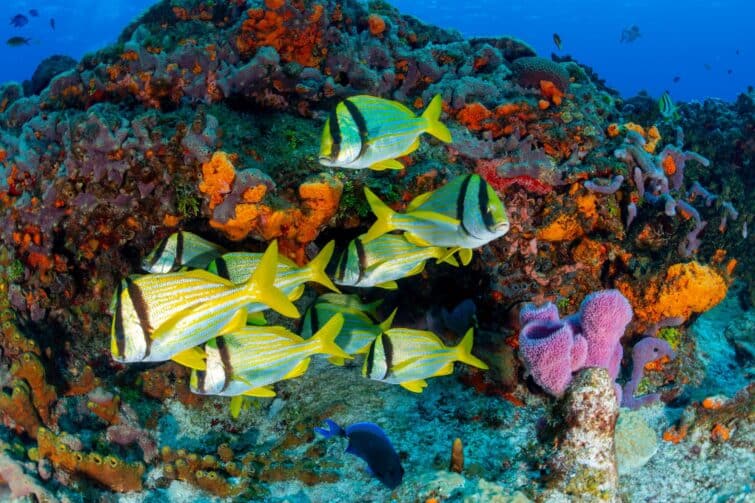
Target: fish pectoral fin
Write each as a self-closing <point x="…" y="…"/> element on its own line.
<point x="257" y="319"/>
<point x="261" y="392"/>
<point x="193" y="358"/>
<point x="419" y="201"/>
<point x="416" y="240"/>
<point x="465" y="255"/>
<point x="388" y="285"/>
<point x="386" y="164"/>
<point x="299" y="370"/>
<point x="415" y="386"/>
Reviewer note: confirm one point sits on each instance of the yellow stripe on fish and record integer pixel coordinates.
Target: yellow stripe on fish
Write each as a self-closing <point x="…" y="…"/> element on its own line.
<point x="407" y="357"/>
<point x="370" y="132"/>
<point x="256" y="357"/>
<point x="160" y="316"/>
<point x="384" y="260"/>
<point x="464" y="213"/>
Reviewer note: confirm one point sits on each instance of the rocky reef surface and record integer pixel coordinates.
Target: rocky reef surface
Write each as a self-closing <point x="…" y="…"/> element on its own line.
<point x="207" y="117"/>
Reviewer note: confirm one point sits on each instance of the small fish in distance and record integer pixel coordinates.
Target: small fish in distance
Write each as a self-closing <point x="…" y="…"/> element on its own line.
<point x="557" y="40"/>
<point x="18" y="41"/>
<point x="33" y="12"/>
<point x="19" y="20"/>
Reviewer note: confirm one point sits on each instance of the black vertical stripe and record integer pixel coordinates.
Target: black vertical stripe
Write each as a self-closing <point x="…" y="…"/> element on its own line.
<point x="487" y="216"/>
<point x="158" y="253"/>
<point x="120" y="334"/>
<point x="142" y="312"/>
<point x="201" y="375"/>
<point x="341" y="267"/>
<point x="460" y="210"/>
<point x="371" y="358"/>
<point x="362" y="258"/>
<point x="335" y="134"/>
<point x="388" y="349"/>
<point x="179" y="250"/>
<point x="225" y="358"/>
<point x="221" y="266"/>
<point x="361" y="125"/>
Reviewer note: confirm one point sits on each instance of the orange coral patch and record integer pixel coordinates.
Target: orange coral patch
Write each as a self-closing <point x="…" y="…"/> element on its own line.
<point x="217" y="178"/>
<point x="549" y="90"/>
<point x="720" y="433"/>
<point x="376" y="24"/>
<point x="474" y="116"/>
<point x="674" y="434"/>
<point x="669" y="166"/>
<point x="564" y="228"/>
<point x="613" y="130"/>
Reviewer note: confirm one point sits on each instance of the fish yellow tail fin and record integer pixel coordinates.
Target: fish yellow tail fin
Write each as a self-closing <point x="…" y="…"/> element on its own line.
<point x="317" y="265"/>
<point x="384" y="214"/>
<point x="463" y="351"/>
<point x="432" y="115"/>
<point x="323" y="341"/>
<point x="261" y="284"/>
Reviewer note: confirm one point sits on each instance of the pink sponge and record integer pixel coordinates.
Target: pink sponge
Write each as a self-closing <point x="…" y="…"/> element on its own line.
<point x="546" y="348"/>
<point x="552" y="348"/>
<point x="604" y="316"/>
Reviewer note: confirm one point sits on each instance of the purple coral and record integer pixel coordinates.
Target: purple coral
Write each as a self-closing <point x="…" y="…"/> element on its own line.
<point x="552" y="349"/>
<point x="546" y="349"/>
<point x="647" y="350"/>
<point x="604" y="316"/>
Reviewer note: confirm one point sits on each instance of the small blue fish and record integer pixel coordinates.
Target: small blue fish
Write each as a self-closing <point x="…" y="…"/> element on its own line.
<point x="19" y="20"/>
<point x="369" y="442"/>
<point x="52" y="23"/>
<point x="33" y="12"/>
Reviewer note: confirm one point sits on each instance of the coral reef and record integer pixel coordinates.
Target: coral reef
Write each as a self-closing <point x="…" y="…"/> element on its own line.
<point x="206" y="117"/>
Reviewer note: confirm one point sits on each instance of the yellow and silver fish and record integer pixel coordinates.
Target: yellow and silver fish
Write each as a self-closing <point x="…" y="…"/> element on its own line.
<point x="407" y="357"/>
<point x="351" y="301"/>
<point x="369" y="132"/>
<point x="384" y="260"/>
<point x="160" y="317"/>
<point x="181" y="249"/>
<point x="359" y="328"/>
<point x="465" y="213"/>
<point x="247" y="361"/>
<point x="290" y="278"/>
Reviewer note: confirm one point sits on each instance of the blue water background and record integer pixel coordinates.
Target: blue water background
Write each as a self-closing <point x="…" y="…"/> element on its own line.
<point x="678" y="37"/>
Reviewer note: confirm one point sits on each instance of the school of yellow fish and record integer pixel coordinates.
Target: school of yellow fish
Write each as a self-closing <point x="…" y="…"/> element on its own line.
<point x="205" y="308"/>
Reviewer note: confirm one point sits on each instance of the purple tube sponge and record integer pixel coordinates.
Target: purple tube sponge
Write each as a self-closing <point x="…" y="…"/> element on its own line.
<point x="546" y="349"/>
<point x="647" y="350"/>
<point x="609" y="188"/>
<point x="604" y="316"/>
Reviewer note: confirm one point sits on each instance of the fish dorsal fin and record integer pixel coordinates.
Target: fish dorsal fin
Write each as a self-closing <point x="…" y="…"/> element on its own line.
<point x="261" y="392"/>
<point x="387" y="164"/>
<point x="206" y="276"/>
<point x="193" y="358"/>
<point x="417" y="386"/>
<point x="419" y="201"/>
<point x="299" y="370"/>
